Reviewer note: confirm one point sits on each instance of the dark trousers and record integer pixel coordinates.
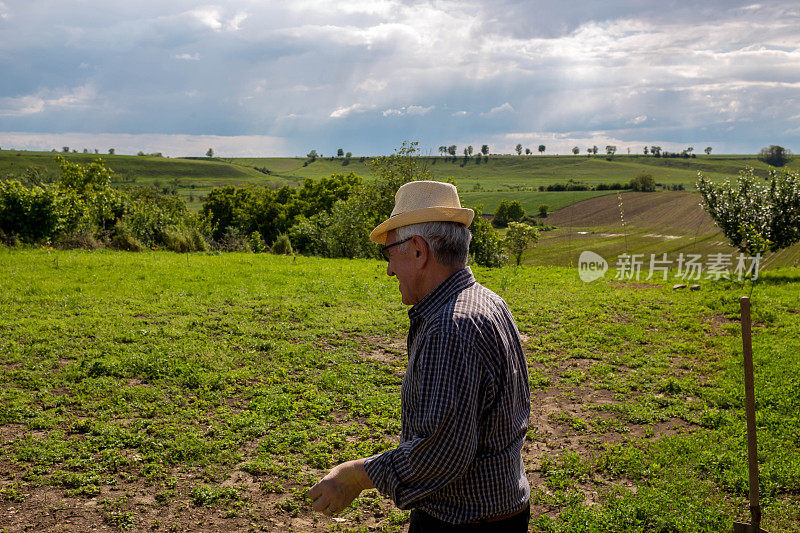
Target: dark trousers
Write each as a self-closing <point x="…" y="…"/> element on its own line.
<point x="422" y="522"/>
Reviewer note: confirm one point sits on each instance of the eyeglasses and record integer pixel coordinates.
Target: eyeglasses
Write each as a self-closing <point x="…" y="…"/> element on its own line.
<point x="385" y="249"/>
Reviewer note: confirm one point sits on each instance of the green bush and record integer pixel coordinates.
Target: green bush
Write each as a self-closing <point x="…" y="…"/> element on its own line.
<point x="122" y="239"/>
<point x="175" y="240"/>
<point x="643" y="183"/>
<point x="81" y="240"/>
<point x="257" y="244"/>
<point x="197" y="241"/>
<point x="234" y="241"/>
<point x="508" y="211"/>
<point x="30" y="214"/>
<point x="282" y="245"/>
<point x="486" y="247"/>
<point x="82" y="210"/>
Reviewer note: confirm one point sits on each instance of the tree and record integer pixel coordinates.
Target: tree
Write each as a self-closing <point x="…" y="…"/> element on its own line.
<point x="452" y="150"/>
<point x="543" y="210"/>
<point x="610" y="150"/>
<point x="210" y="153"/>
<point x="576" y="150"/>
<point x="528" y="151"/>
<point x="756" y="218"/>
<point x="775" y="155"/>
<point x="646" y="150"/>
<point x="312" y="155"/>
<point x="508" y="211"/>
<point x="466" y="151"/>
<point x="594" y="149"/>
<point x="340" y="152"/>
<point x="656" y="151"/>
<point x="111" y="151"/>
<point x="541" y="149"/>
<point x="469" y="149"/>
<point x="96" y="151"/>
<point x="519" y="149"/>
<point x="485" y="149"/>
<point x="85" y="150"/>
<point x="643" y="183"/>
<point x="65" y="149"/>
<point x="348" y="155"/>
<point x="518" y="238"/>
<point x="707" y="150"/>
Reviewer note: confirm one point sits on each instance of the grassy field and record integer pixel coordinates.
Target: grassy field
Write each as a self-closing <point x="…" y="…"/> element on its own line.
<point x="530" y="200"/>
<point x="203" y="392"/>
<point x="504" y="172"/>
<point x="497" y="176"/>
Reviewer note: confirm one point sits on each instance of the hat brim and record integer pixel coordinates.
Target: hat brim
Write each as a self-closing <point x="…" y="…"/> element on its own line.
<point x="426" y="214"/>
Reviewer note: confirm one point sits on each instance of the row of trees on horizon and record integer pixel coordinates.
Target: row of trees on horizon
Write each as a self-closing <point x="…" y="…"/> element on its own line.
<point x="773" y="155"/>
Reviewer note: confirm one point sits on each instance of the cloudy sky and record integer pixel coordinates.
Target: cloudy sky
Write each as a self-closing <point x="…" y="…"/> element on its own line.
<point x="280" y="78"/>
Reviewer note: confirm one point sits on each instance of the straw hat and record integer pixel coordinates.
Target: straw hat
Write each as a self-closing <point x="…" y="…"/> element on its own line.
<point x="423" y="201"/>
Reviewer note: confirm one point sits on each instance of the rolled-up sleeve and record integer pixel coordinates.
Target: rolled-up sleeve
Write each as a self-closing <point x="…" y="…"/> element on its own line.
<point x="442" y="390"/>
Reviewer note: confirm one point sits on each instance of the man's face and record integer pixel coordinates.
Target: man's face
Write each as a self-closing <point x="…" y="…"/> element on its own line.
<point x="403" y="265"/>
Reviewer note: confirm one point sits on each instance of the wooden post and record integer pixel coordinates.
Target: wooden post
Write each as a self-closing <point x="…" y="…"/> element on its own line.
<point x="750" y="406"/>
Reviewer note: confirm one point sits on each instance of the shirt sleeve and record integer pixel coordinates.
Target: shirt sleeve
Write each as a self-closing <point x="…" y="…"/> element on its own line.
<point x="444" y="418"/>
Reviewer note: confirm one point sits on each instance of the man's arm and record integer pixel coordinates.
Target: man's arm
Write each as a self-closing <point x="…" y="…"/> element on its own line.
<point x="444" y="440"/>
<point x="341" y="486"/>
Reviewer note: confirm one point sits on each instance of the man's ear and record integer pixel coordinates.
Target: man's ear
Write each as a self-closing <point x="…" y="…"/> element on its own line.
<point x="421" y="251"/>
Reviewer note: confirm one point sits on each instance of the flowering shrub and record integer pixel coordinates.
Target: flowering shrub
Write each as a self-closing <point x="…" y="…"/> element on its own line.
<point x="755" y="217"/>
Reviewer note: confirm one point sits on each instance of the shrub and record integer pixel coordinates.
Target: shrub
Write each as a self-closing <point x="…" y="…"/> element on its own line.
<point x="643" y="183"/>
<point x="282" y="245"/>
<point x="175" y="240"/>
<point x="508" y="211"/>
<point x="122" y="239"/>
<point x="543" y="210"/>
<point x="486" y="247"/>
<point x="85" y="241"/>
<point x="31" y="214"/>
<point x="256" y="243"/>
<point x="234" y="241"/>
<point x="197" y="241"/>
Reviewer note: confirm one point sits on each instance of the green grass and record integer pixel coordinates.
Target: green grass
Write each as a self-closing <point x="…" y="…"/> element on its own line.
<point x="530" y="200"/>
<point x="219" y="387"/>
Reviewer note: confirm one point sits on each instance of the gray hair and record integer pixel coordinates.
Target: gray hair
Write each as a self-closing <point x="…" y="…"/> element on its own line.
<point x="449" y="241"/>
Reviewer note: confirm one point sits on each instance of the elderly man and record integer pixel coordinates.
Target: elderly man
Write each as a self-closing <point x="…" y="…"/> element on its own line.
<point x="465" y="399"/>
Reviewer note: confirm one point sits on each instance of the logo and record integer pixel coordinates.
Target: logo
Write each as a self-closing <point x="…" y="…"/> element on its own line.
<point x="591" y="266"/>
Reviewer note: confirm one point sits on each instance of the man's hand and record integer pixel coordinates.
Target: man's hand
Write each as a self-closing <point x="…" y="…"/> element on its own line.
<point x="341" y="486"/>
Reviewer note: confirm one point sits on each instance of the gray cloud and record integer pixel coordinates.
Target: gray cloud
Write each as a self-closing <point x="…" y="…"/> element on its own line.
<point x="370" y="74"/>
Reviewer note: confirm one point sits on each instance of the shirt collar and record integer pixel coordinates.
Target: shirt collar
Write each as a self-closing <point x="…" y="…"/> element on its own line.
<point x="457" y="282"/>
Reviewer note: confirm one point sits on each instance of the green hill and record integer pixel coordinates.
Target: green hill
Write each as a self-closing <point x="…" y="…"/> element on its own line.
<point x="484" y="180"/>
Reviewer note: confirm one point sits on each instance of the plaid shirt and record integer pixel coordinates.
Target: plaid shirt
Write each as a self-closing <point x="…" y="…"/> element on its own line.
<point x="465" y="404"/>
